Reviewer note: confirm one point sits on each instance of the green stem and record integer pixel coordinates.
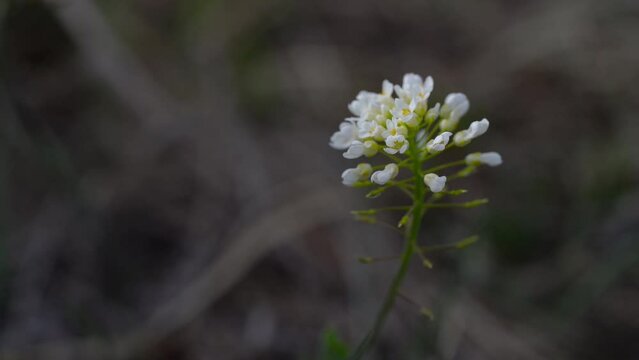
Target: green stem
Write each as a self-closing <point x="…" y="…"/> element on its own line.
<point x="393" y="158"/>
<point x="467" y="204"/>
<point x="375" y="210"/>
<point x="445" y="166"/>
<point x="456" y="245"/>
<point x="409" y="249"/>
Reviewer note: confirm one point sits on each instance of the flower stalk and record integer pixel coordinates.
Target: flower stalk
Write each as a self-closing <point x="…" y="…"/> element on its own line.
<point x="410" y="245"/>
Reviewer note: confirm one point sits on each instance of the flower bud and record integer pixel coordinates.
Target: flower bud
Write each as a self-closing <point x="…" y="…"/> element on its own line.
<point x="438" y="144"/>
<point x="381" y="177"/>
<point x="434" y="182"/>
<point x="489" y="158"/>
<point x="353" y="175"/>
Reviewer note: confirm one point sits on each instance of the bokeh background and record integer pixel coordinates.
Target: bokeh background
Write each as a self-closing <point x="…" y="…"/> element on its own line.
<point x="167" y="190"/>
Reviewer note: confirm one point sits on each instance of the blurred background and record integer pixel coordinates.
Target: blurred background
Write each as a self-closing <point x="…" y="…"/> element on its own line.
<point x="167" y="190"/>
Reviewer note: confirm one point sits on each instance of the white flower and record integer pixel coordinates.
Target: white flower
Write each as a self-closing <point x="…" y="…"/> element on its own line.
<point x="353" y="175"/>
<point x="381" y="112"/>
<point x="358" y="148"/>
<point x="413" y="88"/>
<point x="343" y="138"/>
<point x="395" y="144"/>
<point x="404" y="112"/>
<point x="381" y="177"/>
<point x="355" y="150"/>
<point x="435" y="183"/>
<point x="489" y="158"/>
<point x="455" y="106"/>
<point x="439" y="143"/>
<point x="370" y="129"/>
<point x="394" y="128"/>
<point x="362" y="103"/>
<point x="369" y="105"/>
<point x="476" y="129"/>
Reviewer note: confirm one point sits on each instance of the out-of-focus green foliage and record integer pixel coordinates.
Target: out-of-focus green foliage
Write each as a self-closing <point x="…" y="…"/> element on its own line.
<point x="332" y="347"/>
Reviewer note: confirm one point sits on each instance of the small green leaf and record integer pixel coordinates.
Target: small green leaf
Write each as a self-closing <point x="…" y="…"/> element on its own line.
<point x="455" y="192"/>
<point x="467" y="242"/>
<point x="475" y="203"/>
<point x="332" y="347"/>
<point x="375" y="193"/>
<point x="366" y="219"/>
<point x="403" y="221"/>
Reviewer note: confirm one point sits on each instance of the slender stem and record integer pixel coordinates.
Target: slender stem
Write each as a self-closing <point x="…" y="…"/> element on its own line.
<point x="409" y="249"/>
<point x="371" y="260"/>
<point x="393" y="158"/>
<point x="387" y="225"/>
<point x="424" y="250"/>
<point x="408" y="299"/>
<point x="456" y="245"/>
<point x="428" y="156"/>
<point x="430" y="130"/>
<point x="468" y="204"/>
<point x="405" y="189"/>
<point x="387" y="208"/>
<point x="445" y="166"/>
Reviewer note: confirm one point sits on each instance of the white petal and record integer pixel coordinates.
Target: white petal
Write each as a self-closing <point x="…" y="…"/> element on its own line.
<point x="435" y="183"/>
<point x="387" y="88"/>
<point x="491" y="158"/>
<point x="350" y="177"/>
<point x="478" y="128"/>
<point x="456" y="105"/>
<point x="381" y="177"/>
<point x="401" y="93"/>
<point x="343" y="138"/>
<point x="429" y="84"/>
<point x="443" y="137"/>
<point x="411" y="80"/>
<point x="355" y="150"/>
<point x="434" y="147"/>
<point x="455" y="99"/>
<point x="439" y="142"/>
<point x="390" y="141"/>
<point x="390" y="124"/>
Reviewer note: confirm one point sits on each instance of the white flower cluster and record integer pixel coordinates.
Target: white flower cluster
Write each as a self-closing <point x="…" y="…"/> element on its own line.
<point x="385" y="121"/>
